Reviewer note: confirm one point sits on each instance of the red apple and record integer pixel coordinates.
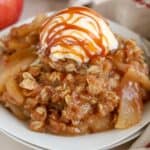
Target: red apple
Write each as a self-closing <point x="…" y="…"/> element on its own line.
<point x="10" y="11"/>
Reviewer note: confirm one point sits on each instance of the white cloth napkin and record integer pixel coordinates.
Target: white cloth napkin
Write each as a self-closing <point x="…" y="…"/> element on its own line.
<point x="143" y="142"/>
<point x="140" y="3"/>
<point x="85" y="2"/>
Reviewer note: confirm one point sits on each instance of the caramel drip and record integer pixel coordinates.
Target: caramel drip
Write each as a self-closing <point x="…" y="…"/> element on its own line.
<point x="77" y="19"/>
<point x="56" y="38"/>
<point x="82" y="11"/>
<point x="76" y="42"/>
<point x="73" y="27"/>
<point x="73" y="10"/>
<point x="67" y="51"/>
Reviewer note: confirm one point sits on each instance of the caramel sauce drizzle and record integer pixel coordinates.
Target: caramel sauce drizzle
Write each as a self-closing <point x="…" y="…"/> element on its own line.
<point x="54" y="37"/>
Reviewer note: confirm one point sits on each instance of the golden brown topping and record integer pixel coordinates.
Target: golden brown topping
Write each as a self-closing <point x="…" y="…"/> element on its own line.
<point x="28" y="82"/>
<point x="37" y="125"/>
<point x="45" y="95"/>
<point x="39" y="113"/>
<point x="30" y="103"/>
<point x="95" y="84"/>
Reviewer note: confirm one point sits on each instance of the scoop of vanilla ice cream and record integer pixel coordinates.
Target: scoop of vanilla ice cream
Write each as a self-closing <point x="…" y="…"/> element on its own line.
<point x="76" y="33"/>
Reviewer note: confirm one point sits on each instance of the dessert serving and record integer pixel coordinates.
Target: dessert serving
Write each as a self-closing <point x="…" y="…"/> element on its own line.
<point x="69" y="74"/>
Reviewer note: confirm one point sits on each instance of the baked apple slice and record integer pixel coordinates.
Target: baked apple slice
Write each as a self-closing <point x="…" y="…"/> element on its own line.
<point x="130" y="109"/>
<point x="13" y="64"/>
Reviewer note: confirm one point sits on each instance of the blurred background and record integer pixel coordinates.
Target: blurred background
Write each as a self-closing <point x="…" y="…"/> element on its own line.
<point x="134" y="14"/>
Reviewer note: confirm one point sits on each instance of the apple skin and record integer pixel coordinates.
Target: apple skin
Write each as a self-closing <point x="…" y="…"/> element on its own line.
<point x="10" y="11"/>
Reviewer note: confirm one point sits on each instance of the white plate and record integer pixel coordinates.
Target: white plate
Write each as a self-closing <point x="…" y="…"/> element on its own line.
<point x="97" y="141"/>
<point x="137" y="134"/>
<point x="38" y="148"/>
